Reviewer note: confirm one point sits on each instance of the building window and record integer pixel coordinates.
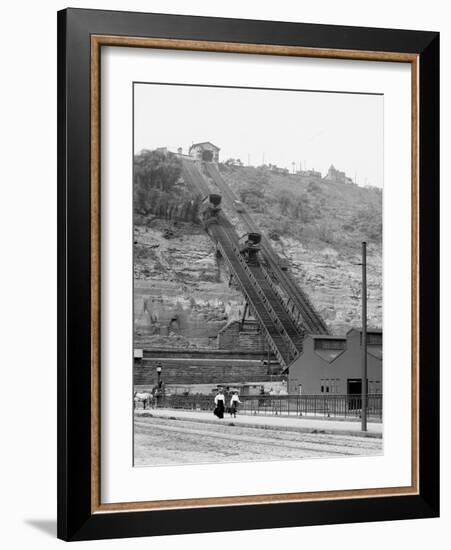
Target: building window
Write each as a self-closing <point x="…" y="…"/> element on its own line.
<point x="372" y="338"/>
<point x="330" y="385"/>
<point x="334" y="385"/>
<point x="329" y="344"/>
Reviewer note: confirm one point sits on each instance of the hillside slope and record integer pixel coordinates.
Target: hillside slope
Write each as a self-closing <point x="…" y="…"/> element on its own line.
<point x="182" y="291"/>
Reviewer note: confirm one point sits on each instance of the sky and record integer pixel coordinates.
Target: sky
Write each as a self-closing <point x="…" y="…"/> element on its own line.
<point x="312" y="129"/>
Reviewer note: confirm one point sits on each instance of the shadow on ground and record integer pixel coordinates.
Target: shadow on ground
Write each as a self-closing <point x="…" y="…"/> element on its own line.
<point x="47" y="526"/>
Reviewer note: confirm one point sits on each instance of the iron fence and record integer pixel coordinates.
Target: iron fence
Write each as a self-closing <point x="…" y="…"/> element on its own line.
<point x="324" y="405"/>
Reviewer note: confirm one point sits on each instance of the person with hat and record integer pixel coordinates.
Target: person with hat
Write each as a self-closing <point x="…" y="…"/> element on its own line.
<point x="219" y="404"/>
<point x="234" y="400"/>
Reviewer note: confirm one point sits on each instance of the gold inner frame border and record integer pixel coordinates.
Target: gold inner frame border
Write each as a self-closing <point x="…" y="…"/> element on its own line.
<point x="97" y="41"/>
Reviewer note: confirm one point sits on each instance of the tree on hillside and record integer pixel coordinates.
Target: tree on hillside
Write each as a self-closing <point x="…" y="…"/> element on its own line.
<point x="154" y="176"/>
<point x="233" y="162"/>
<point x="301" y="208"/>
<point x="368" y="220"/>
<point x="285" y="199"/>
<point x="254" y="196"/>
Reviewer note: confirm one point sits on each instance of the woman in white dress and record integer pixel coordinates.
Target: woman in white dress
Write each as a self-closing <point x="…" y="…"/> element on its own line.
<point x="234" y="400"/>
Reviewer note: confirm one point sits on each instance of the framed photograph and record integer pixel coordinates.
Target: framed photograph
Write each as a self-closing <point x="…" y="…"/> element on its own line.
<point x="248" y="274"/>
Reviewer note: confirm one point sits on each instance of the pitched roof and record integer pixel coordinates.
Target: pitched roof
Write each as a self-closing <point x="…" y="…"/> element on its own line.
<point x="204" y="143"/>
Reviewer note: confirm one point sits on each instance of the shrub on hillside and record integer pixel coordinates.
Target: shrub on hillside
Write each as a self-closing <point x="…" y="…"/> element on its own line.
<point x="317" y="213"/>
<point x="254" y="196"/>
<point x="314" y="187"/>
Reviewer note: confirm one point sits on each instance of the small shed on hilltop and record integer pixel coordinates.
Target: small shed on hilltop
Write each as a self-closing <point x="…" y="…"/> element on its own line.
<point x="205" y="151"/>
<point x="332" y="364"/>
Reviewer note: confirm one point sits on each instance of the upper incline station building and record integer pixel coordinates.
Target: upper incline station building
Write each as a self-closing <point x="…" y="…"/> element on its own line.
<point x="205" y="151"/>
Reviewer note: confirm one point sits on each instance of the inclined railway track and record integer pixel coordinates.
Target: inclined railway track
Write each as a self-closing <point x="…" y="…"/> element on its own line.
<point x="259" y="279"/>
<point x="280" y="344"/>
<point x="277" y="319"/>
<point x="312" y="320"/>
<point x="193" y="177"/>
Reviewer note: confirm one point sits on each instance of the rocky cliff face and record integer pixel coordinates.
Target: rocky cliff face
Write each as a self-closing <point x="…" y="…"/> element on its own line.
<point x="333" y="282"/>
<point x="182" y="297"/>
<point x="182" y="293"/>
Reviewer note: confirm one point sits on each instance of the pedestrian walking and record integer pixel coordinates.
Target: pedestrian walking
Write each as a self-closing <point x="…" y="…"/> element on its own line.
<point x="219" y="404"/>
<point x="234" y="400"/>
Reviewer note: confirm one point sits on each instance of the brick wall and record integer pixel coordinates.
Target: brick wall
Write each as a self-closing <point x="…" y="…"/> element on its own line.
<point x="250" y="338"/>
<point x="201" y="367"/>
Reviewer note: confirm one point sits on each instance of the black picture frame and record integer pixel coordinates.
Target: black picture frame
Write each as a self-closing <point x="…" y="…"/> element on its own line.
<point x="76" y="521"/>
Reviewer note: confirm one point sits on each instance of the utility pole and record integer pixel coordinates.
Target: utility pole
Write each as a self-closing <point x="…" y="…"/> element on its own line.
<point x="364" y="344"/>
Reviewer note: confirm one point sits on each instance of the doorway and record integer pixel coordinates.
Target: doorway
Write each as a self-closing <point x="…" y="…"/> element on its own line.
<point x="354" y="387"/>
<point x="207" y="156"/>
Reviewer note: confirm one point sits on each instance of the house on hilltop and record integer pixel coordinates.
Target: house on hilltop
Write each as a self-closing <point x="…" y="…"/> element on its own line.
<point x="337" y="176"/>
<point x="205" y="151"/>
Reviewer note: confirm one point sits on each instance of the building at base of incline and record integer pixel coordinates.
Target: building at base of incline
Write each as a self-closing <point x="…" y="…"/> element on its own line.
<point x="333" y="364"/>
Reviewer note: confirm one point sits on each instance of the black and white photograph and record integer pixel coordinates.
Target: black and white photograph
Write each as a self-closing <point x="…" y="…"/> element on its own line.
<point x="257" y="262"/>
<point x="227" y="230"/>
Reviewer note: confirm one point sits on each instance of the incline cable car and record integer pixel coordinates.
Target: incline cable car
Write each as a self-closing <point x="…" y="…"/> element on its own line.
<point x="249" y="245"/>
<point x="209" y="208"/>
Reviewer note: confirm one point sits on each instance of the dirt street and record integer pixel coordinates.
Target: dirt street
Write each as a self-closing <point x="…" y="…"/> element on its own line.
<point x="161" y="441"/>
